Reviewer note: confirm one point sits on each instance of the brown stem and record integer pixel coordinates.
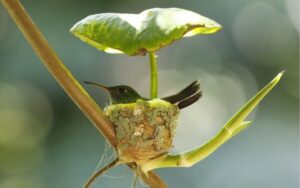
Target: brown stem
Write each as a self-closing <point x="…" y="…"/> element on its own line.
<point x="66" y="80"/>
<point x="153" y="180"/>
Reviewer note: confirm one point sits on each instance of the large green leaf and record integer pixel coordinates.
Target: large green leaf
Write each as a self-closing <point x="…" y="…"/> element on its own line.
<point x="137" y="34"/>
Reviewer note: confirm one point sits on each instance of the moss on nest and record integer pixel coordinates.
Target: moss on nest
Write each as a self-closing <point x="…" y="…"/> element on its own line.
<point x="144" y="130"/>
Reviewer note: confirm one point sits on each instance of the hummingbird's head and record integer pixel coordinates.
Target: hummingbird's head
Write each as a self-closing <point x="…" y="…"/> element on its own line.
<point x="119" y="94"/>
<point x="123" y="94"/>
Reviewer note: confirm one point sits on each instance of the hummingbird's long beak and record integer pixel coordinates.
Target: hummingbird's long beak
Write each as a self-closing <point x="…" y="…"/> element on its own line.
<point x="96" y="84"/>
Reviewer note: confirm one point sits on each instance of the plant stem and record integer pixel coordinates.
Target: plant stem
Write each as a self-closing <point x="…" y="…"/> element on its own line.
<point x="153" y="180"/>
<point x="100" y="172"/>
<point x="235" y="125"/>
<point x="153" y="74"/>
<point x="62" y="75"/>
<point x="190" y="158"/>
<point x="65" y="78"/>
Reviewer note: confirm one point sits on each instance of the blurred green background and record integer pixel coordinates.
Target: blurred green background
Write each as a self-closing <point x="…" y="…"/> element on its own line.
<point x="45" y="141"/>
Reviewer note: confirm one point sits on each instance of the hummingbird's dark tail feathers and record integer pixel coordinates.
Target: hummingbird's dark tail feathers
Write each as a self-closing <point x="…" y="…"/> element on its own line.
<point x="187" y="96"/>
<point x="186" y="102"/>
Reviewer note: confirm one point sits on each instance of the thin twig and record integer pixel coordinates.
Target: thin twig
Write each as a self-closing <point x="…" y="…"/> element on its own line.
<point x="134" y="178"/>
<point x="100" y="172"/>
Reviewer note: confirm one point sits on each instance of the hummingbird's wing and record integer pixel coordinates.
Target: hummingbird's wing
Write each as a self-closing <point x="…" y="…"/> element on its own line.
<point x="186" y="102"/>
<point x="187" y="96"/>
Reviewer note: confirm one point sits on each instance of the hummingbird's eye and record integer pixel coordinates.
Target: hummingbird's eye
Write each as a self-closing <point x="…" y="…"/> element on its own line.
<point x="122" y="90"/>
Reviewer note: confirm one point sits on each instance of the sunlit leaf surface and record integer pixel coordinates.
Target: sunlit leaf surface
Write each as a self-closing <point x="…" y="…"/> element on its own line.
<point x="137" y="34"/>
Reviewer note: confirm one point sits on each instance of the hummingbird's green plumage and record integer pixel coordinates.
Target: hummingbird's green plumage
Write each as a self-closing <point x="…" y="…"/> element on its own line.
<point x="120" y="94"/>
<point x="125" y="94"/>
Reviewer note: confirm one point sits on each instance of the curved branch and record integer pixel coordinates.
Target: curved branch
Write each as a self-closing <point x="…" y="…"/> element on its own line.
<point x="64" y="77"/>
<point x="100" y="172"/>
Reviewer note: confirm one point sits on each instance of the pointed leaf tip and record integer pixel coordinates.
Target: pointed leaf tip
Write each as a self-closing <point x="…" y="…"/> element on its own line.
<point x="137" y="34"/>
<point x="281" y="74"/>
<point x="234" y="126"/>
<point x="278" y="77"/>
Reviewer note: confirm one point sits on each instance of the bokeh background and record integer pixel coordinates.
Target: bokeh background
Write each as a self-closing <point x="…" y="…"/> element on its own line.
<point x="46" y="142"/>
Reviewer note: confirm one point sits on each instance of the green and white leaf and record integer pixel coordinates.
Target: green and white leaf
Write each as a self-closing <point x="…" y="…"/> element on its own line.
<point x="235" y="125"/>
<point x="137" y="34"/>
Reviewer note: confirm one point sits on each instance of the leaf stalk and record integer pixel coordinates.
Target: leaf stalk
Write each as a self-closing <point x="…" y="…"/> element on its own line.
<point x="153" y="75"/>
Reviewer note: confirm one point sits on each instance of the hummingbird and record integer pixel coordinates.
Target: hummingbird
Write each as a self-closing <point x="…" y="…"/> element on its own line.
<point x="126" y="94"/>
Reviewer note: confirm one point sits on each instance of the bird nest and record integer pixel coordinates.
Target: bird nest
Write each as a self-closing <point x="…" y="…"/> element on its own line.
<point x="144" y="130"/>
